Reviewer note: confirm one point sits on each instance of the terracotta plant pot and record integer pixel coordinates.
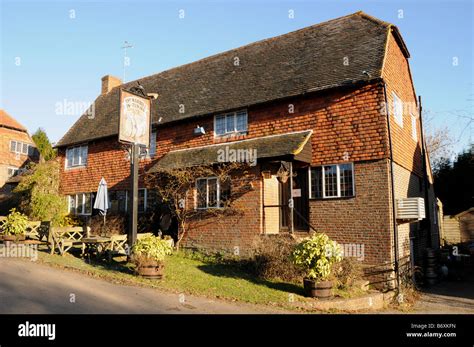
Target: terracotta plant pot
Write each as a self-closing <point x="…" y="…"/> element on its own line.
<point x="320" y="290"/>
<point x="151" y="269"/>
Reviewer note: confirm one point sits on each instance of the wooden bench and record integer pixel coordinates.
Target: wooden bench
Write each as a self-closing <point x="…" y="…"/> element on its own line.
<point x="2" y="220"/>
<point x="64" y="238"/>
<point x="33" y="230"/>
<point x="117" y="247"/>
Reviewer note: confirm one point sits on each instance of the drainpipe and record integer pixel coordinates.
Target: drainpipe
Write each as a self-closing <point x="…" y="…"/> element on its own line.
<point x="394" y="211"/>
<point x="425" y="174"/>
<point x="292" y="201"/>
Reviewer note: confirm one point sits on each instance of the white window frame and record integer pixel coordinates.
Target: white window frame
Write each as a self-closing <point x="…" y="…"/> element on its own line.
<point x="145" y="203"/>
<point x="16" y="171"/>
<point x="338" y="181"/>
<point x="83" y="196"/>
<point x="218" y="201"/>
<point x="234" y="130"/>
<point x="22" y="144"/>
<point x="397" y="107"/>
<point x="414" y="128"/>
<point x="82" y="161"/>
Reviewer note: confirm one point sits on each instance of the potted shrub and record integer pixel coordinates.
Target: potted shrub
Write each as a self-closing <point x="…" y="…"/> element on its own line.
<point x="316" y="255"/>
<point x="148" y="254"/>
<point x="14" y="226"/>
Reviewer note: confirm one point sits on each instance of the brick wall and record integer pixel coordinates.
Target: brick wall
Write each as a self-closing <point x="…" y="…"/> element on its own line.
<point x="346" y="123"/>
<point x="363" y="219"/>
<point x="398" y="79"/>
<point x="238" y="230"/>
<point x="8" y="158"/>
<point x="106" y="158"/>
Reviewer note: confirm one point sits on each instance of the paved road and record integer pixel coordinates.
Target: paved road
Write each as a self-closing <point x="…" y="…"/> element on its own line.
<point x="30" y="288"/>
<point x="449" y="297"/>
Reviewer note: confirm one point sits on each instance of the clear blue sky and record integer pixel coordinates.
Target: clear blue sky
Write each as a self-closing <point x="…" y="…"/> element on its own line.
<point x="63" y="58"/>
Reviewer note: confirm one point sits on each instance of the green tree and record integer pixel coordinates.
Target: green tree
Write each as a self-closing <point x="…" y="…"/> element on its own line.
<point x="39" y="196"/>
<point x="46" y="150"/>
<point x="454" y="183"/>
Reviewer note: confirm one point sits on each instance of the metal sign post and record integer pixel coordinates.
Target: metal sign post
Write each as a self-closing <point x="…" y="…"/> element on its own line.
<point x="292" y="201"/>
<point x="133" y="201"/>
<point x="134" y="129"/>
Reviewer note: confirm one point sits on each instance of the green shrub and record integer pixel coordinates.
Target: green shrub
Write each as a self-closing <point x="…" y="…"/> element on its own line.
<point x="346" y="272"/>
<point x="71" y="221"/>
<point x="114" y="224"/>
<point x="272" y="259"/>
<point x="151" y="248"/>
<point x="316" y="255"/>
<point x="15" y="224"/>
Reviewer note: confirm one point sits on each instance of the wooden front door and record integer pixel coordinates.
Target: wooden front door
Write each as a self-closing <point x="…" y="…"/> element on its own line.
<point x="301" y="203"/>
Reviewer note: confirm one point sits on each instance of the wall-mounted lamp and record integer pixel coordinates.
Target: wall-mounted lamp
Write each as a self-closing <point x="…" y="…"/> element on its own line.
<point x="199" y="130"/>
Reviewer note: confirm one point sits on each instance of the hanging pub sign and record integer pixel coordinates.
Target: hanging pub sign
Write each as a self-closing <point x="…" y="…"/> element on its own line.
<point x="134" y="123"/>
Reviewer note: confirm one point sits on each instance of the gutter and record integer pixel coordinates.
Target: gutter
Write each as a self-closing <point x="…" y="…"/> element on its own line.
<point x="13" y="128"/>
<point x="394" y="212"/>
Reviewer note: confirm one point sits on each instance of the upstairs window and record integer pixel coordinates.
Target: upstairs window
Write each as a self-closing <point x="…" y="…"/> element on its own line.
<point x="397" y="109"/>
<point x="332" y="181"/>
<point x="22" y="148"/>
<point x="152" y="149"/>
<point x="231" y="123"/>
<point x="414" y="131"/>
<point x="76" y="156"/>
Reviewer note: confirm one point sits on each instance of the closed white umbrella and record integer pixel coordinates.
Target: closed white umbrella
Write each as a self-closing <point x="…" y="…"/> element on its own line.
<point x="102" y="198"/>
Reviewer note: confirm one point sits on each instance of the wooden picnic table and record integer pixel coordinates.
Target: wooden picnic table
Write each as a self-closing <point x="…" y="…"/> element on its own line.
<point x="95" y="245"/>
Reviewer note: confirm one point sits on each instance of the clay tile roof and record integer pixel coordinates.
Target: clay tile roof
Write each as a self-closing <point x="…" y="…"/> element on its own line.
<point x="285" y="146"/>
<point x="8" y="121"/>
<point x="302" y="61"/>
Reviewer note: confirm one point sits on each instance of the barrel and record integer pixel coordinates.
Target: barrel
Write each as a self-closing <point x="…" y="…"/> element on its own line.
<point x="431" y="265"/>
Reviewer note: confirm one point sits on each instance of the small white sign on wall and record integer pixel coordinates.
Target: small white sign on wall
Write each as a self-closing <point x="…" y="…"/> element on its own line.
<point x="297" y="193"/>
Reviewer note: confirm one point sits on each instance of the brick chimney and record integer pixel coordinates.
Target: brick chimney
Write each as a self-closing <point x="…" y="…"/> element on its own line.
<point x="109" y="82"/>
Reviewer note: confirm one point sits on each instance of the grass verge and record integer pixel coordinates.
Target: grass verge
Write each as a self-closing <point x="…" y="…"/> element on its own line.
<point x="195" y="277"/>
<point x="190" y="276"/>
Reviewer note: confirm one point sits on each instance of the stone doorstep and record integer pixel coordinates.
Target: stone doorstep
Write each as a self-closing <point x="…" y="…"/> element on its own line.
<point x="370" y="301"/>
